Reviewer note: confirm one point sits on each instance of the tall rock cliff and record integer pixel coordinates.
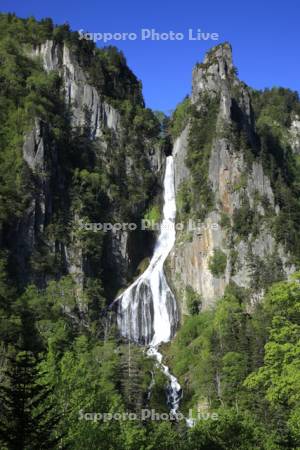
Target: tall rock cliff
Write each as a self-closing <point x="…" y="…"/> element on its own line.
<point x="88" y="153"/>
<point x="233" y="174"/>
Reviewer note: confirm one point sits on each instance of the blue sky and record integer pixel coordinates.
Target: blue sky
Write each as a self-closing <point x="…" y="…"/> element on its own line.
<point x="265" y="36"/>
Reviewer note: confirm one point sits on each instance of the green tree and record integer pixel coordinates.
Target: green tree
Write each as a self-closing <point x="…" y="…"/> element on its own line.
<point x="229" y="431"/>
<point x="193" y="301"/>
<point x="218" y="263"/>
<point x="28" y="419"/>
<point x="279" y="377"/>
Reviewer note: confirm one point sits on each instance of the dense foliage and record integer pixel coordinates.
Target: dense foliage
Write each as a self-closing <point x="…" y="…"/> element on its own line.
<point x="195" y="197"/>
<point x="246" y="365"/>
<point x="274" y="110"/>
<point x="180" y="118"/>
<point x="218" y="262"/>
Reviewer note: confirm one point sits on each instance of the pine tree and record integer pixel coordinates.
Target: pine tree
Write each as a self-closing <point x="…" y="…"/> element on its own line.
<point x="27" y="420"/>
<point x="131" y="377"/>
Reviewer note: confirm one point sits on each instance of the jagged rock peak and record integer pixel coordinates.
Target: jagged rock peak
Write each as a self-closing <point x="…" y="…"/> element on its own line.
<point x="216" y="69"/>
<point x="217" y="77"/>
<point x="222" y="53"/>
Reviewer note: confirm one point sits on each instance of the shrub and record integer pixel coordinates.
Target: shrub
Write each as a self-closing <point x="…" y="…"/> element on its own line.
<point x="183" y="199"/>
<point x="153" y="214"/>
<point x="201" y="136"/>
<point x="180" y="118"/>
<point x="217" y="263"/>
<point x="193" y="301"/>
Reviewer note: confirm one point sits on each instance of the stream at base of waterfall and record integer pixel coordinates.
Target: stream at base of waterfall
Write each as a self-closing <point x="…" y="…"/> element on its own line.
<point x="147" y="309"/>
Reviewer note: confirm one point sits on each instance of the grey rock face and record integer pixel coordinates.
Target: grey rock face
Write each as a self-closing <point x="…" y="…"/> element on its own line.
<point x="259" y="183"/>
<point x="81" y="97"/>
<point x="232" y="180"/>
<point x="36" y="153"/>
<point x="79" y="94"/>
<point x="212" y="75"/>
<point x="216" y="77"/>
<point x="34" y="148"/>
<point x="189" y="262"/>
<point x="294" y="132"/>
<point x="230" y="177"/>
<point x="179" y="154"/>
<point x="39" y="158"/>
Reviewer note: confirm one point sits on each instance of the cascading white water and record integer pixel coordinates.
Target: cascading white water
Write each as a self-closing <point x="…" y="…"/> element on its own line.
<point x="147" y="310"/>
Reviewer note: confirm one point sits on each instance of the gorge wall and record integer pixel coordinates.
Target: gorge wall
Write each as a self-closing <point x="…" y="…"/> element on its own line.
<point x="224" y="185"/>
<point x="90" y="153"/>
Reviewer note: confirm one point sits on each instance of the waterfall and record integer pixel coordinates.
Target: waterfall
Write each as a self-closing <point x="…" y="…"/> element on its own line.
<point x="147" y="310"/>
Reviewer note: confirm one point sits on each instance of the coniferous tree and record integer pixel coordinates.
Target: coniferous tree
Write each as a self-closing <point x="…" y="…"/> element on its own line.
<point x="27" y="419"/>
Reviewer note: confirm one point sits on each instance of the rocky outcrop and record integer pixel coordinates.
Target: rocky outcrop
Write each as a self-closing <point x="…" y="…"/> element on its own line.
<point x="213" y="74"/>
<point x="86" y="105"/>
<point x="80" y="95"/>
<point x="294" y="134"/>
<point x="181" y="172"/>
<point x="189" y="262"/>
<point x="233" y="180"/>
<point x="230" y="176"/>
<point x="36" y="154"/>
